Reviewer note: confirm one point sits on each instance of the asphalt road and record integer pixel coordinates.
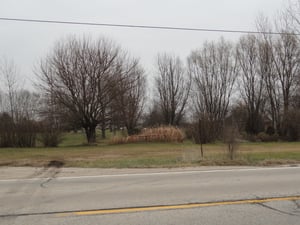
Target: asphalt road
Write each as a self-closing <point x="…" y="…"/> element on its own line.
<point x="159" y="197"/>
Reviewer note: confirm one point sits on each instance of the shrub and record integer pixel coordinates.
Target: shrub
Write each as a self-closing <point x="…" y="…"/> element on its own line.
<point x="51" y="138"/>
<point x="162" y="134"/>
<point x="204" y="130"/>
<point x="51" y="134"/>
<point x="159" y="134"/>
<point x="264" y="137"/>
<point x="25" y="133"/>
<point x="21" y="133"/>
<point x="291" y="126"/>
<point x="7" y="134"/>
<point x="230" y="136"/>
<point x="118" y="140"/>
<point x="270" y="130"/>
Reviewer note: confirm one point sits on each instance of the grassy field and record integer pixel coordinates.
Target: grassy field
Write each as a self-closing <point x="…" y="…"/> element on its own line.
<point x="73" y="152"/>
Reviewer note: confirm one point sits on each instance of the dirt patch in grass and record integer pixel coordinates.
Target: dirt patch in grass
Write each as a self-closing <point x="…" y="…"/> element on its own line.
<point x="55" y="163"/>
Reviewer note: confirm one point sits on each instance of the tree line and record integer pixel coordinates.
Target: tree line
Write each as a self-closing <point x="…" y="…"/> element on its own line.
<point x="251" y="86"/>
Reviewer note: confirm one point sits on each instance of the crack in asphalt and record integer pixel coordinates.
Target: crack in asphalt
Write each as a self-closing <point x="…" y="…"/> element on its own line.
<point x="53" y="175"/>
<point x="38" y="172"/>
<point x="277" y="210"/>
<point x="55" y="168"/>
<point x="297" y="204"/>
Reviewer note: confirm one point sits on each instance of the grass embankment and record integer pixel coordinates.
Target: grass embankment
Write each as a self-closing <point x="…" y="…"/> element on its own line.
<point x="73" y="153"/>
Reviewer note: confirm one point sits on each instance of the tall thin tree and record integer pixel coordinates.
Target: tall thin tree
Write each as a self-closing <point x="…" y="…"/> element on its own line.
<point x="213" y="69"/>
<point x="173" y="85"/>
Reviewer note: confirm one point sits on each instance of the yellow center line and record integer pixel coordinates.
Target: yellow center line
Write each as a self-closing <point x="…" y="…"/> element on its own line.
<point x="179" y="206"/>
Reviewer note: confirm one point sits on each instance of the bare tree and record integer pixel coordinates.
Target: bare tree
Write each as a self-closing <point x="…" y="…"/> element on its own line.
<point x="9" y="75"/>
<point x="214" y="71"/>
<point x="19" y="110"/>
<point x="53" y="119"/>
<point x="280" y="56"/>
<point x="18" y="102"/>
<point x="80" y="74"/>
<point x="201" y="132"/>
<point x="286" y="60"/>
<point x="28" y="103"/>
<point x="273" y="103"/>
<point x="127" y="96"/>
<point x="267" y="68"/>
<point x="130" y="101"/>
<point x="286" y="57"/>
<point x="251" y="82"/>
<point x="292" y="13"/>
<point x="154" y="117"/>
<point x="173" y="86"/>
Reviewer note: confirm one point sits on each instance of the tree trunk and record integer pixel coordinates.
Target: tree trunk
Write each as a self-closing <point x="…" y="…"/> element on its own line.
<point x="103" y="132"/>
<point x="90" y="132"/>
<point x="201" y="148"/>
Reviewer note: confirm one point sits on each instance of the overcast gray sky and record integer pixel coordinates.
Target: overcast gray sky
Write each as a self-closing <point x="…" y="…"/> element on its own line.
<point x="27" y="43"/>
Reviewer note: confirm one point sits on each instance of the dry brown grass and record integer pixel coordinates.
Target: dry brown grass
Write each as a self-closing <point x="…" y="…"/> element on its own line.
<point x="141" y="155"/>
<point x="150" y="154"/>
<point x="158" y="134"/>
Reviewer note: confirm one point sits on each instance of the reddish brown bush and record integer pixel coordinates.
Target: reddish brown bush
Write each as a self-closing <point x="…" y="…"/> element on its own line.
<point x="159" y="134"/>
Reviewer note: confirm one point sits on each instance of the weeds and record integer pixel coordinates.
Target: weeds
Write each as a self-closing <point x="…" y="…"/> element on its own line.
<point x="159" y="134"/>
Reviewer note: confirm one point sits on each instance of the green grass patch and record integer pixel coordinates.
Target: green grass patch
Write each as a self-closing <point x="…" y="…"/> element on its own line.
<point x="261" y="157"/>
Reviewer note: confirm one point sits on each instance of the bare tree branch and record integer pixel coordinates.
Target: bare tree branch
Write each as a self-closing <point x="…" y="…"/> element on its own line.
<point x="213" y="69"/>
<point x="80" y="75"/>
<point x="173" y="85"/>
